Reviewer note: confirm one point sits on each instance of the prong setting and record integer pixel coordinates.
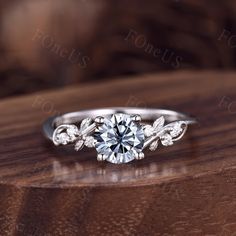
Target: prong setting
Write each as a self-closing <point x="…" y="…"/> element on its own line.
<point x="136" y="118"/>
<point x="99" y="120"/>
<point x="101" y="157"/>
<point x="139" y="156"/>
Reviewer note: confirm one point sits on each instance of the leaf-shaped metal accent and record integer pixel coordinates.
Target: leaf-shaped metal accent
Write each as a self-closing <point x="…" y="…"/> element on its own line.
<point x="177" y="129"/>
<point x="159" y="123"/>
<point x="85" y="123"/>
<point x="79" y="145"/>
<point x="153" y="146"/>
<point x="167" y="134"/>
<point x="89" y="141"/>
<point x="148" y="130"/>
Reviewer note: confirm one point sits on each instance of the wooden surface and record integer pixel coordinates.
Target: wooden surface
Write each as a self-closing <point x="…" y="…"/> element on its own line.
<point x="185" y="189"/>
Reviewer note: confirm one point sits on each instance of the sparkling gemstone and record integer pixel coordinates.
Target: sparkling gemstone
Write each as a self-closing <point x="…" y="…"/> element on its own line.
<point x="166" y="140"/>
<point x="72" y="131"/>
<point x="119" y="138"/>
<point x="63" y="138"/>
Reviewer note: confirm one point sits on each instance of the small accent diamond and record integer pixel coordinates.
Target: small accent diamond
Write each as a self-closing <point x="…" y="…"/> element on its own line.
<point x="63" y="138"/>
<point x="166" y="140"/>
<point x="72" y="131"/>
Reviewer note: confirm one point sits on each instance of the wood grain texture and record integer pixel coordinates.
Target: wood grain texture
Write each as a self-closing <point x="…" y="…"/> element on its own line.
<point x="185" y="189"/>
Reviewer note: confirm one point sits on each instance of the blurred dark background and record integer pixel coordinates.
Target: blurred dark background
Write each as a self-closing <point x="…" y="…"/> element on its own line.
<point x="51" y="44"/>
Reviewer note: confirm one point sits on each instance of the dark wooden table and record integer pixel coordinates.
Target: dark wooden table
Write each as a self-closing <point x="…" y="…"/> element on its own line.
<point x="186" y="189"/>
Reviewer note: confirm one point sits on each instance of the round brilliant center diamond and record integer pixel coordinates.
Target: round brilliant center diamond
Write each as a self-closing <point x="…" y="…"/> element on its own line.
<point x="120" y="138"/>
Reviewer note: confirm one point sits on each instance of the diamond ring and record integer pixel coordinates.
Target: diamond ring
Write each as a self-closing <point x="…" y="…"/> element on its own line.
<point x="118" y="134"/>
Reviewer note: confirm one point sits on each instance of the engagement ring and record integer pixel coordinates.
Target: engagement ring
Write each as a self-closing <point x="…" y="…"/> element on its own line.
<point x="119" y="134"/>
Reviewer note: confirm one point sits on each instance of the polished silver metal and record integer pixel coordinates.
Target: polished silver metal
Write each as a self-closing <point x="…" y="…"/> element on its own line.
<point x="64" y="129"/>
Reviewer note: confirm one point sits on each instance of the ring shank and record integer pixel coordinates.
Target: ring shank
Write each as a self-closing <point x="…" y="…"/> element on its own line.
<point x="147" y="114"/>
